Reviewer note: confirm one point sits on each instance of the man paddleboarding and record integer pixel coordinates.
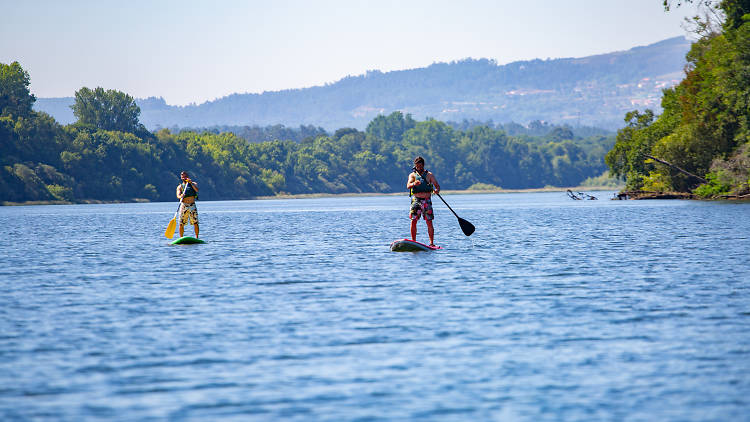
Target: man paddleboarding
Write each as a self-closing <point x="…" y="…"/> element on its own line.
<point x="187" y="192"/>
<point x="421" y="185"/>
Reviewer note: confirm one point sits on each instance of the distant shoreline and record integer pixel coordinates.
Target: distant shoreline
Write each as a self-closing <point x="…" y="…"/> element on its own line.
<point x="325" y="195"/>
<point x="445" y="191"/>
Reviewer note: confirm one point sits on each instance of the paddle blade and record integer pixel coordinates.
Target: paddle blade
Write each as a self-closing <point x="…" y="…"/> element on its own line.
<point x="466" y="227"/>
<point x="169" y="232"/>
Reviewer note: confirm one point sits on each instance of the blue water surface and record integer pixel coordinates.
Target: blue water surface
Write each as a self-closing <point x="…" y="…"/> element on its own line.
<point x="297" y="310"/>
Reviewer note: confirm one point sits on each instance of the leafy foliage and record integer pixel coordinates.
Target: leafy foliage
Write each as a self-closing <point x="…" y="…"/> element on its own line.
<point x="107" y="110"/>
<point x="107" y="155"/>
<point x="730" y="176"/>
<point x="603" y="180"/>
<point x="262" y="134"/>
<point x="706" y="119"/>
<point x="15" y="99"/>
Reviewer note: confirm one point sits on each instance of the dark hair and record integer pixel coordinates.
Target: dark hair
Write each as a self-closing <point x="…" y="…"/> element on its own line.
<point x="419" y="160"/>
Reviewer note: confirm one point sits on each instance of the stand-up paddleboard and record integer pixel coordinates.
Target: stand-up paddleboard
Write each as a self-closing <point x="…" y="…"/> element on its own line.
<point x="408" y="245"/>
<point x="186" y="240"/>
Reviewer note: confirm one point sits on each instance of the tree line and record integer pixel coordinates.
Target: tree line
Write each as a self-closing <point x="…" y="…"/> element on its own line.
<point x="108" y="155"/>
<point x="701" y="141"/>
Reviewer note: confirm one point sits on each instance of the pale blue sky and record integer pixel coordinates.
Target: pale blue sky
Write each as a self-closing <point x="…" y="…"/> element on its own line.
<point x="194" y="51"/>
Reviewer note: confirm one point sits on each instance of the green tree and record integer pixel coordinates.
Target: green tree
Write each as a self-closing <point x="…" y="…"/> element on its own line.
<point x="15" y="98"/>
<point x="107" y="110"/>
<point x="706" y="117"/>
<point x="437" y="143"/>
<point x="391" y="127"/>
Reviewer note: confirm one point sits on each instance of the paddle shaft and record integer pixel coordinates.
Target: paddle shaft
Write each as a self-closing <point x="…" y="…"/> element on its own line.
<point x="446" y="204"/>
<point x="171" y="228"/>
<point x="178" y="210"/>
<point x="433" y="191"/>
<point x="180" y="204"/>
<point x="466" y="227"/>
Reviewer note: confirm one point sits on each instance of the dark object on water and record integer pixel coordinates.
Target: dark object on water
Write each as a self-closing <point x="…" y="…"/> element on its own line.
<point x="641" y="194"/>
<point x="580" y="196"/>
<point x="407" y="245"/>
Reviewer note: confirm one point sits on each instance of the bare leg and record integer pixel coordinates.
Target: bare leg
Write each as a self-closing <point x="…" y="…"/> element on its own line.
<point x="196" y="230"/>
<point x="430" y="232"/>
<point x="179" y="219"/>
<point x="414" y="230"/>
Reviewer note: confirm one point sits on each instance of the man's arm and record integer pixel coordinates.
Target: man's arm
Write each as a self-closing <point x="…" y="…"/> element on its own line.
<point x="410" y="182"/>
<point x="435" y="183"/>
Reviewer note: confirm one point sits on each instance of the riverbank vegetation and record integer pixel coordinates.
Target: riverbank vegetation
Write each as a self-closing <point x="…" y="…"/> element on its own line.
<point x="699" y="145"/>
<point x="108" y="155"/>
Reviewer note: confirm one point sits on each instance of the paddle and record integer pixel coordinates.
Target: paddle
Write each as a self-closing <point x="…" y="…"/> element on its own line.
<point x="169" y="232"/>
<point x="466" y="227"/>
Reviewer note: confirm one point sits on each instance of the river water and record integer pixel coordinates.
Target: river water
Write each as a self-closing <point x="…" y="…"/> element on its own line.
<point x="297" y="310"/>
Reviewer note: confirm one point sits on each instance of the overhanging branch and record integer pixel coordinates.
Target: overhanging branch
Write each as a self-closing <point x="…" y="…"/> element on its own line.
<point x="658" y="160"/>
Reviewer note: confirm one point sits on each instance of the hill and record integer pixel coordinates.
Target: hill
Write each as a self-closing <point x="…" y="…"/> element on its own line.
<point x="595" y="90"/>
<point x="108" y="155"/>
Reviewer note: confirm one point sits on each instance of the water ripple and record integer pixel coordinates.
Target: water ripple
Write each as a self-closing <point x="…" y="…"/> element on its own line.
<point x="297" y="310"/>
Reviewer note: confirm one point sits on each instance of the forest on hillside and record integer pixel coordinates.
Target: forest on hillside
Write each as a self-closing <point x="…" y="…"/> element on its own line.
<point x="701" y="141"/>
<point x="108" y="154"/>
<point x="594" y="90"/>
<point x="700" y="144"/>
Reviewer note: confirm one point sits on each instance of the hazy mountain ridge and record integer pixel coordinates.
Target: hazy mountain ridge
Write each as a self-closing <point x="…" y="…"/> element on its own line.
<point x="594" y="90"/>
